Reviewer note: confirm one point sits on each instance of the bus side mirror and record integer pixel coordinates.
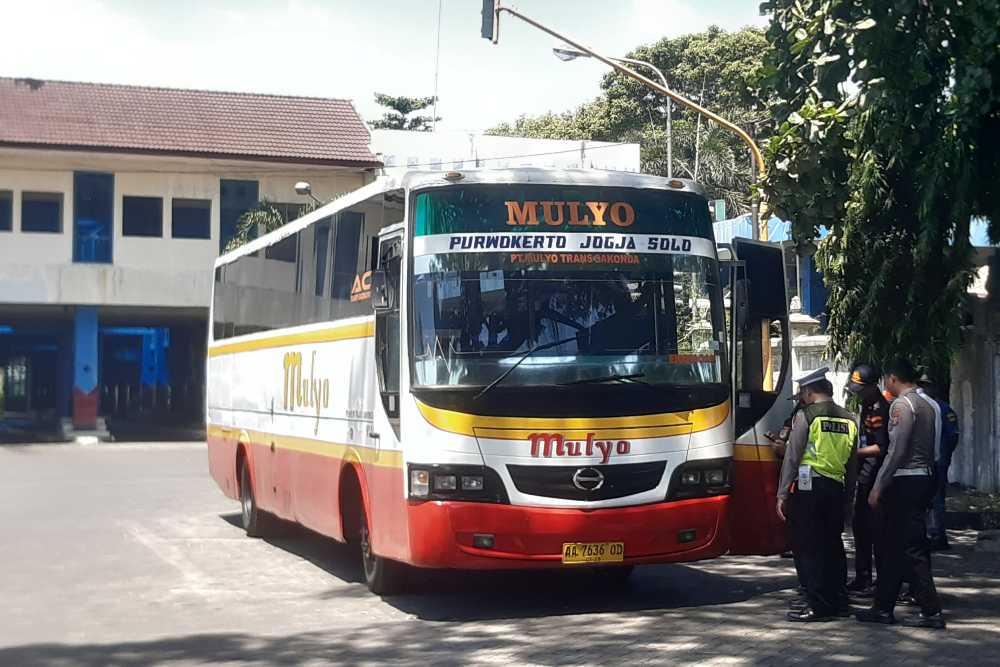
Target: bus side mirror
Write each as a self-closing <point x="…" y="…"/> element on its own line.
<point x="380" y="292"/>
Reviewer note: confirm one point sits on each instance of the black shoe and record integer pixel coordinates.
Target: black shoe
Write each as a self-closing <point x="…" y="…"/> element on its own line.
<point x="808" y="615"/>
<point x="798" y="604"/>
<point x="875" y="616"/>
<point x="922" y="620"/>
<point x="845" y="612"/>
<point x="906" y="599"/>
<point x="859" y="585"/>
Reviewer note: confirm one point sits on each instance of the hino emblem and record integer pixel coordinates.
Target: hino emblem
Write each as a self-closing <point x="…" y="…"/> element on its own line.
<point x="588" y="479"/>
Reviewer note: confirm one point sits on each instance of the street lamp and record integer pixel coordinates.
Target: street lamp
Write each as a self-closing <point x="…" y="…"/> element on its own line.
<point x="566" y="54"/>
<point x="303" y="188"/>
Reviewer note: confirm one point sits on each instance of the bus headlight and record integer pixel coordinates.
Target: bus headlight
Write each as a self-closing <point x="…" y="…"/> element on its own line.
<point x="445" y="483"/>
<point x="441" y="481"/>
<point x="472" y="483"/>
<point x="715" y="477"/>
<point x="701" y="479"/>
<point x="690" y="477"/>
<point x="420" y="483"/>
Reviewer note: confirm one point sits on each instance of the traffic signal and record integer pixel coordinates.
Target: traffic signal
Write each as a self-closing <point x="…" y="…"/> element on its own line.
<point x="491" y="20"/>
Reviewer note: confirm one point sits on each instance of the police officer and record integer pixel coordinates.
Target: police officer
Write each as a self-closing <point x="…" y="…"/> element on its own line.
<point x="872" y="446"/>
<point x="901" y="495"/>
<point x="779" y="443"/>
<point x="815" y="474"/>
<point x="949" y="436"/>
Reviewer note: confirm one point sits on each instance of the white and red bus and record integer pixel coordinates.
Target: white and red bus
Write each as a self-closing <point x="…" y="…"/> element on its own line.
<point x="512" y="368"/>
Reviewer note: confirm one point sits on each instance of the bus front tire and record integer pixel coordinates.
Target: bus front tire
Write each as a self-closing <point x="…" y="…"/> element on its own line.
<point x="382" y="575"/>
<point x="255" y="521"/>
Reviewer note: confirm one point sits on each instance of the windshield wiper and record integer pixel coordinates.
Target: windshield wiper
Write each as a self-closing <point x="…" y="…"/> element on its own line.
<point x="524" y="356"/>
<point x="631" y="378"/>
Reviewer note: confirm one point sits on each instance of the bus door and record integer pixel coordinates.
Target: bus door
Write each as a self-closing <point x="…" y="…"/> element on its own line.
<point x="385" y="486"/>
<point x="759" y="339"/>
<point x="386" y="292"/>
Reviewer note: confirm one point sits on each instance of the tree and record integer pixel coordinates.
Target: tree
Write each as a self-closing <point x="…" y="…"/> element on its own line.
<point x="888" y="135"/>
<point x="263" y="218"/>
<point x="717" y="67"/>
<point x="399" y="115"/>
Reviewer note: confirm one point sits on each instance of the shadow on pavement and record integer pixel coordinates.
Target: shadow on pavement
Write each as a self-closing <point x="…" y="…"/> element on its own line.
<point x="456" y="595"/>
<point x="710" y="612"/>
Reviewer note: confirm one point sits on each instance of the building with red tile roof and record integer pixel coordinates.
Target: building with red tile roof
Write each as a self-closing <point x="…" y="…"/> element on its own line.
<point x="115" y="201"/>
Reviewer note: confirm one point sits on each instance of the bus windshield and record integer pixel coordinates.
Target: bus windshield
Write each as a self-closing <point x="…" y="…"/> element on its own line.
<point x="573" y="285"/>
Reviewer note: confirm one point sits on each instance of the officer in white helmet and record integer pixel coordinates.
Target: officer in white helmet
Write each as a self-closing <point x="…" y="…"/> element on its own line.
<point x="816" y="475"/>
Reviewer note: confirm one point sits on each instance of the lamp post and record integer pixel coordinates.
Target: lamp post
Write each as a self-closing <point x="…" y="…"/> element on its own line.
<point x="566" y="54"/>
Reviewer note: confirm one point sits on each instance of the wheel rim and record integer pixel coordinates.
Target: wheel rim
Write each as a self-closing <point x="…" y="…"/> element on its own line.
<point x="246" y="496"/>
<point x="364" y="538"/>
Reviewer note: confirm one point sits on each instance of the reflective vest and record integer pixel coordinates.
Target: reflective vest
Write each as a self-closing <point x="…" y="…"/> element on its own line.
<point x="833" y="433"/>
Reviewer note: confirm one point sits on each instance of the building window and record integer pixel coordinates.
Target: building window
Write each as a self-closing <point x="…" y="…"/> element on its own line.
<point x="285" y="250"/>
<point x="235" y="199"/>
<point x="6" y="211"/>
<point x="192" y="219"/>
<point x="142" y="216"/>
<point x="288" y="212"/>
<point x="41" y="212"/>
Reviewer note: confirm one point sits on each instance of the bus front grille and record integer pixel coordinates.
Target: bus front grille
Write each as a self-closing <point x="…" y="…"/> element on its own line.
<point x="616" y="481"/>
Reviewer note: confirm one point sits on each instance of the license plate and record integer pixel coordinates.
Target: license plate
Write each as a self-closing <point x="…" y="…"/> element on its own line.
<point x="593" y="552"/>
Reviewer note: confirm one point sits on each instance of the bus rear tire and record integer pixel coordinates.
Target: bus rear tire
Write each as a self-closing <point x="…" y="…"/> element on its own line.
<point x="255" y="521"/>
<point x="383" y="576"/>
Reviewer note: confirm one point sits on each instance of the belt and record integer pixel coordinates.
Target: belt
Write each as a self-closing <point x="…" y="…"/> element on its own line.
<point x="912" y="472"/>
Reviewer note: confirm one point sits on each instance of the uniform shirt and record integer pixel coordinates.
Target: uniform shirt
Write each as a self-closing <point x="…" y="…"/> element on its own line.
<point x="875" y="431"/>
<point x="949" y="426"/>
<point x="912" y="432"/>
<point x="798" y="439"/>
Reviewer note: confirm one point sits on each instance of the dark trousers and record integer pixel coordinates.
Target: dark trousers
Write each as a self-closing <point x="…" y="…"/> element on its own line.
<point x="901" y="520"/>
<point x="935" y="519"/>
<point x="817" y="519"/>
<point x="863" y="526"/>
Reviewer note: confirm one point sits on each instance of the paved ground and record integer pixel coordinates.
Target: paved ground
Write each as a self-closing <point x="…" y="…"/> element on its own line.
<point x="129" y="555"/>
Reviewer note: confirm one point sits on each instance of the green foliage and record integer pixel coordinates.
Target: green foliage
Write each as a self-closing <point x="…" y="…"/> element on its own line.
<point x="265" y="217"/>
<point x="399" y="115"/>
<point x="888" y="135"/>
<point x="718" y="67"/>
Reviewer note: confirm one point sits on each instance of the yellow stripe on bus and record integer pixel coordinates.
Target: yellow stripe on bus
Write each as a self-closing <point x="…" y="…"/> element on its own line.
<point x="521" y="428"/>
<point x="388" y="458"/>
<point x="343" y="332"/>
<point x="745" y="452"/>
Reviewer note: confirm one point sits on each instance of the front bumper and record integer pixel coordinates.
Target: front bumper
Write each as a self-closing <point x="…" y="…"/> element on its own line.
<point x="441" y="532"/>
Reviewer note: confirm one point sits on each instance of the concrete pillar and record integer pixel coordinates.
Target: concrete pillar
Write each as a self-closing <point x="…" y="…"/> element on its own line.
<point x="86" y="387"/>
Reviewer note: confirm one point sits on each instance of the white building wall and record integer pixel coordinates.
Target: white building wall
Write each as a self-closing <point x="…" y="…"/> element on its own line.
<point x="38" y="268"/>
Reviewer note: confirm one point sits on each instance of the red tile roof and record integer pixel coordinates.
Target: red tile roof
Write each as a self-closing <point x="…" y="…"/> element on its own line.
<point x="136" y="119"/>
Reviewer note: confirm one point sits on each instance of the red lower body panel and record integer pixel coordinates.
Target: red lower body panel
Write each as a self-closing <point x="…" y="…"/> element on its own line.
<point x="529" y="537"/>
<point x="305" y="488"/>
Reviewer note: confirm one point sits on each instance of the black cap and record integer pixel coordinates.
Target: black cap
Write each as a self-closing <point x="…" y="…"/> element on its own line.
<point x="862" y="375"/>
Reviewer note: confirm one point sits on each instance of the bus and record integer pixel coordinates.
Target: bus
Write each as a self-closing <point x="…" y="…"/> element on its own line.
<point x="503" y="369"/>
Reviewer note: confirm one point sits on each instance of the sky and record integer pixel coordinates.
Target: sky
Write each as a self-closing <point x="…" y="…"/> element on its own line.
<point x="348" y="48"/>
